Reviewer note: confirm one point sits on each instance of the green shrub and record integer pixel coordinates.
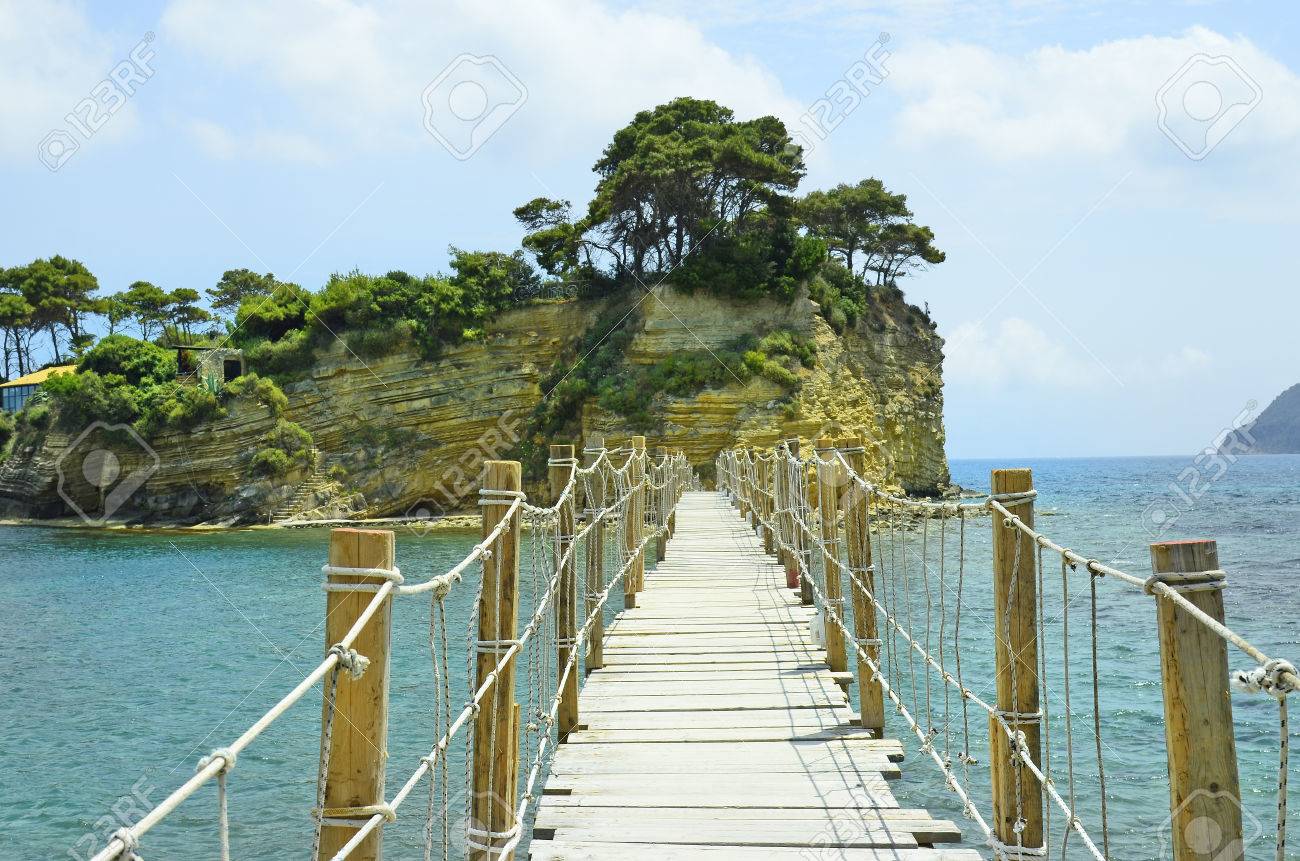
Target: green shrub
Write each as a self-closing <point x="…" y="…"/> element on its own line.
<point x="261" y="389"/>
<point x="286" y="447"/>
<point x="288" y="358"/>
<point x="34" y="416"/>
<point x="7" y="428"/>
<point x="139" y="363"/>
<point x="89" y="397"/>
<point x="269" y="463"/>
<point x="179" y="408"/>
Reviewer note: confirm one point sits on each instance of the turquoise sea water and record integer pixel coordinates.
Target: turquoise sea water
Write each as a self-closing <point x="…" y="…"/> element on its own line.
<point x="131" y="655"/>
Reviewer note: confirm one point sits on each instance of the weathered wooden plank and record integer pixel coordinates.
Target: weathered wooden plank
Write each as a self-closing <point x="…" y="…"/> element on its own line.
<point x="558" y="850"/>
<point x="560" y="815"/>
<point x="715" y="729"/>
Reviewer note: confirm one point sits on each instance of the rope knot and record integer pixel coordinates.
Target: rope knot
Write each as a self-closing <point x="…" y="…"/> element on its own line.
<point x="350" y="659"/>
<point x="1270" y="678"/>
<point x="130" y="843"/>
<point x="225" y="754"/>
<point x="442" y="587"/>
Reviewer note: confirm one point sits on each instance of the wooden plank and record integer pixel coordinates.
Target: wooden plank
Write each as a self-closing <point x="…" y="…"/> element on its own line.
<point x="559" y="815"/>
<point x="556" y="850"/>
<point x="716" y="730"/>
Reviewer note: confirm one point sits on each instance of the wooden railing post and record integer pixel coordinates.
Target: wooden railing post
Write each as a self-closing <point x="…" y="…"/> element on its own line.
<point x="801" y="497"/>
<point x="676" y="494"/>
<point x="828" y="489"/>
<point x="782" y="518"/>
<point x="1017" y="794"/>
<point x="595" y="572"/>
<point x="496" y="726"/>
<point x="765" y="504"/>
<point x="359" y="733"/>
<point x="662" y="501"/>
<point x="635" y="511"/>
<point x="1204" y="792"/>
<point x="560" y="470"/>
<point x="857" y="534"/>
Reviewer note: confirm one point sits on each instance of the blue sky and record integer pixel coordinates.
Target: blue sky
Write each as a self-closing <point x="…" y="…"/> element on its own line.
<point x="1107" y="290"/>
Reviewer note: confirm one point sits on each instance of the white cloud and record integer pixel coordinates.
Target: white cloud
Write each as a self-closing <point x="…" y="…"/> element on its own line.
<point x="50" y="57"/>
<point x="1098" y="101"/>
<point x="356" y="71"/>
<point x="1015" y="351"/>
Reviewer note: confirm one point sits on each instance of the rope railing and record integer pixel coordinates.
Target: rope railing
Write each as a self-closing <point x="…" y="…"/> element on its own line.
<point x="830" y="525"/>
<point x="632" y="505"/>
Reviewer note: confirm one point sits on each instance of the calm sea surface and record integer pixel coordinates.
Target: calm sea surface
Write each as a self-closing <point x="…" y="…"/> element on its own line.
<point x="128" y="656"/>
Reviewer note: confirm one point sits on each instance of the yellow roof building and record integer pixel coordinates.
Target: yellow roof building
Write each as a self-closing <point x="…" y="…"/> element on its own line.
<point x="38" y="377"/>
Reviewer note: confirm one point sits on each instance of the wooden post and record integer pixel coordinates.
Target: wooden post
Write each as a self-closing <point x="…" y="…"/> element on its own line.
<point x="676" y="494"/>
<point x="662" y="501"/>
<point x="359" y="735"/>
<point x="778" y="490"/>
<point x="635" y="510"/>
<point x="1016" y="660"/>
<point x="871" y="694"/>
<point x="799" y="501"/>
<point x="765" y="504"/>
<point x="492" y="808"/>
<point x="1204" y="793"/>
<point x="595" y="574"/>
<point x="566" y="622"/>
<point x="828" y="507"/>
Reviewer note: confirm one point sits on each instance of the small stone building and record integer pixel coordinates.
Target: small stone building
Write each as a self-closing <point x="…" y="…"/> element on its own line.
<point x="212" y="367"/>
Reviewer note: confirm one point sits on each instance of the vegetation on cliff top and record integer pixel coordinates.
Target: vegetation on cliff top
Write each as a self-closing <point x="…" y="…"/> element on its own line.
<point x="684" y="192"/>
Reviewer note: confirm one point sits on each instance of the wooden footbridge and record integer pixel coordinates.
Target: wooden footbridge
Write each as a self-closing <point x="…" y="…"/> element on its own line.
<point x="714" y="721"/>
<point x="715" y="728"/>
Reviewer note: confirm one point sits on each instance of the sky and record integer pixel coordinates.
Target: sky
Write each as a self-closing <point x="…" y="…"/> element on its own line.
<point x="1114" y="183"/>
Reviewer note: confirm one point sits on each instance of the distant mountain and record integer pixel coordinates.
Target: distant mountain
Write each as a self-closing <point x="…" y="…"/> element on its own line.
<point x="1277" y="430"/>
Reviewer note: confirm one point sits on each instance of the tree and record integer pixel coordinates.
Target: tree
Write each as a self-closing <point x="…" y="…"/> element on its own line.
<point x="235" y="286"/>
<point x="868" y="224"/>
<point x="183" y="313"/>
<point x="900" y="248"/>
<point x="16" y="322"/>
<point x="61" y="293"/>
<point x="848" y="217"/>
<point x="146" y="304"/>
<point x="116" y="312"/>
<point x="674" y="179"/>
<point x="491" y="280"/>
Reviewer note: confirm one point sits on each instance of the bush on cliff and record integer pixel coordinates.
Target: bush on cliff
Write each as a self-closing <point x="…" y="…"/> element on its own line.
<point x="286" y="447"/>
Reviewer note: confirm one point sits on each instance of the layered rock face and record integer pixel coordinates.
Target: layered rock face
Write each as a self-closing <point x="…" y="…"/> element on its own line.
<point x="401" y="436"/>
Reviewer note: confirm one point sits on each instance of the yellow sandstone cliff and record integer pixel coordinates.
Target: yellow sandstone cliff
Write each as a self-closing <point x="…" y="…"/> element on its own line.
<point x="401" y="436"/>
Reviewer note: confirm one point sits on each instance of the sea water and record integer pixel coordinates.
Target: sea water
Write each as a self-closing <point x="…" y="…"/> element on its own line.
<point x="128" y="655"/>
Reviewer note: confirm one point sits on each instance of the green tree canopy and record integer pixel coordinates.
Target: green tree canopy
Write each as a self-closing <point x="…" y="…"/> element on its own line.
<point x="184" y="313"/>
<point x="146" y="304"/>
<point x="235" y="286"/>
<point x="61" y="293"/>
<point x="16" y="322"/>
<point x="870" y="229"/>
<point x="675" y="179"/>
<point x="491" y="280"/>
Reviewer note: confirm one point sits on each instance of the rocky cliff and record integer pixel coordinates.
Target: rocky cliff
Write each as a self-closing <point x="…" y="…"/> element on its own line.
<point x="401" y="436"/>
<point x="1277" y="430"/>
